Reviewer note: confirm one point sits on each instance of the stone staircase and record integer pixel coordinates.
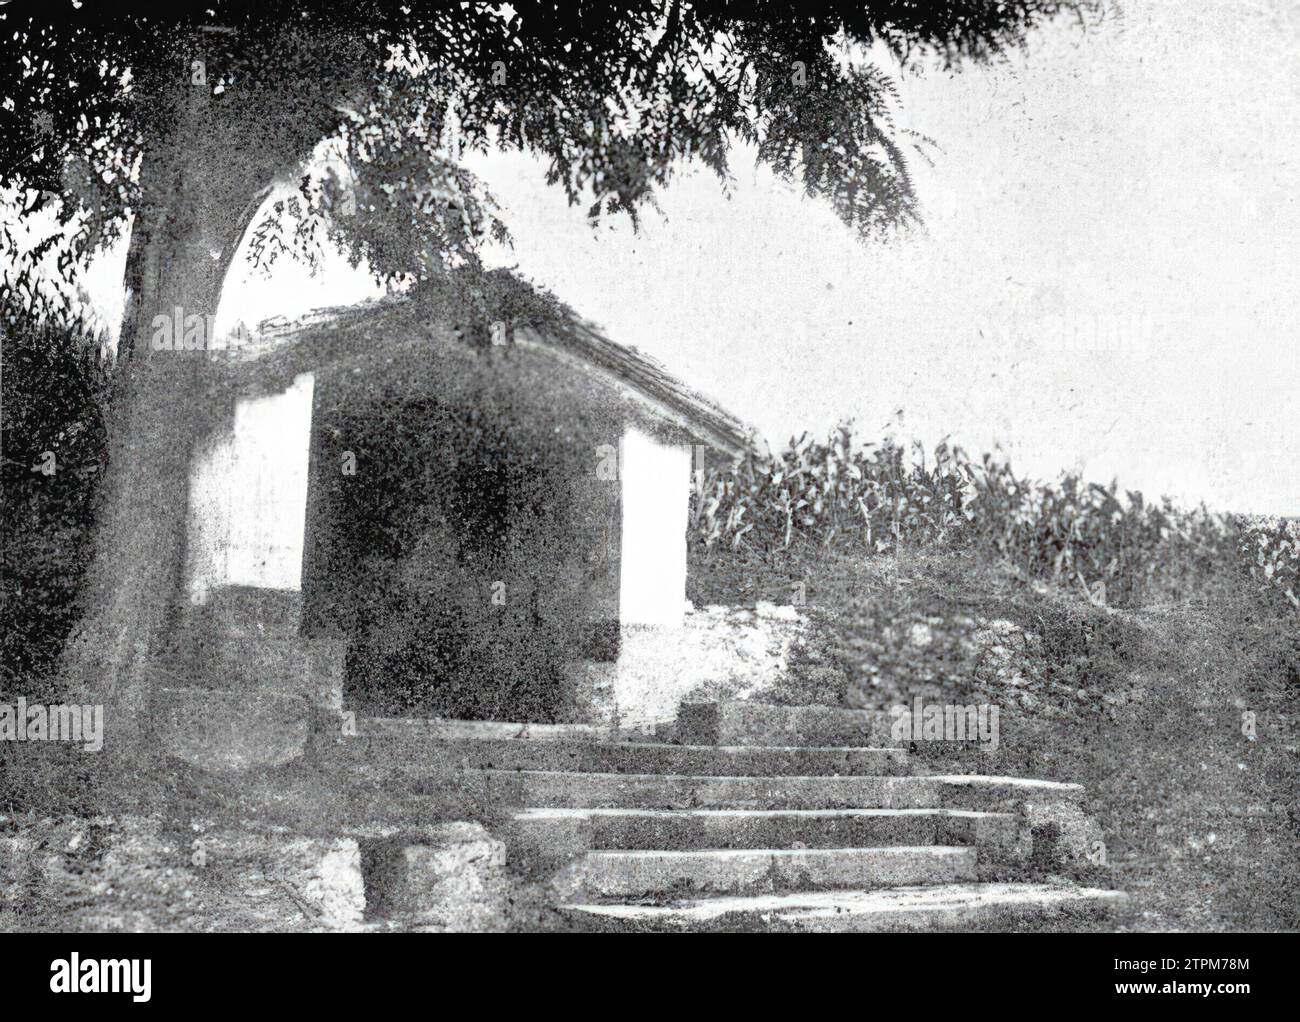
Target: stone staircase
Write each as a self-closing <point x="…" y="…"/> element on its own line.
<point x="754" y="818"/>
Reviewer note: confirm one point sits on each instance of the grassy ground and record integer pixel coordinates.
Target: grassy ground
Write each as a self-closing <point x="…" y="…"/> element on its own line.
<point x="1151" y="710"/>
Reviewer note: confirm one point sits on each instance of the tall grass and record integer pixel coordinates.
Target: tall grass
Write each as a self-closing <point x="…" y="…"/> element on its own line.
<point x="1119" y="549"/>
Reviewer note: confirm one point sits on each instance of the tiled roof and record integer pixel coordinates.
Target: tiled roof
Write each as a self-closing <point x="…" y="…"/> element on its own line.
<point x="538" y="322"/>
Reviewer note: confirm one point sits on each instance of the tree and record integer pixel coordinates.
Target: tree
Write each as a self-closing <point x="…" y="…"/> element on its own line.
<point x="178" y="123"/>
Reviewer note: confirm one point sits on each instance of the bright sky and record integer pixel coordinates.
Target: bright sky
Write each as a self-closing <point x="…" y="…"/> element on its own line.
<point x="1133" y="192"/>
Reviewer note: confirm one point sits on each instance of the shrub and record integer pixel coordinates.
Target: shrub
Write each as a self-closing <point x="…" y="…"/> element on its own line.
<point x="55" y="390"/>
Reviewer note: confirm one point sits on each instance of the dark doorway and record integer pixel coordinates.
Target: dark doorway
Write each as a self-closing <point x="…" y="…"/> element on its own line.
<point x="459" y="539"/>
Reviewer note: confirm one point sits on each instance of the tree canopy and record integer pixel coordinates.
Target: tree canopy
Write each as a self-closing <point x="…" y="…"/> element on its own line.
<point x="611" y="97"/>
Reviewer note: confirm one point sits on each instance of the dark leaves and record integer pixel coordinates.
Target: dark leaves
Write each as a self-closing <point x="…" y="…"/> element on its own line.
<point x="612" y="98"/>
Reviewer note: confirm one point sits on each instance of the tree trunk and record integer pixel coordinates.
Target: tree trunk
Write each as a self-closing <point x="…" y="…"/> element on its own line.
<point x="209" y="167"/>
<point x="196" y="207"/>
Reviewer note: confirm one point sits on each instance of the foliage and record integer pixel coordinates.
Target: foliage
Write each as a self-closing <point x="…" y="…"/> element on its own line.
<point x="55" y="396"/>
<point x="1118" y="550"/>
<point x="611" y="97"/>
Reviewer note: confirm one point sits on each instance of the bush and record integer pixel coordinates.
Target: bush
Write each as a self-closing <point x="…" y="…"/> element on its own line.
<point x="55" y="391"/>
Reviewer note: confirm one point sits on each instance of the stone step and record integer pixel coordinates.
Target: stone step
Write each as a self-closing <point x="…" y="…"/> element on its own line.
<point x="430" y="729"/>
<point x="243" y="666"/>
<point x="547" y="789"/>
<point x="229" y="732"/>
<point x="249" y="611"/>
<point x="943" y="907"/>
<point x="238" y="662"/>
<point x="995" y="792"/>
<point x="637" y="874"/>
<point x="410" y="751"/>
<point x="543" y="839"/>
<point x="735" y="722"/>
<point x="544" y="789"/>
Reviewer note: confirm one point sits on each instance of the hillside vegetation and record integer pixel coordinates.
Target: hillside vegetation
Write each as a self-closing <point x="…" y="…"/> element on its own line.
<point x="1149" y="653"/>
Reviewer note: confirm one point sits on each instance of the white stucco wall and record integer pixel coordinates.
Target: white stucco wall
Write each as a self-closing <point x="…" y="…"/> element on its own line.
<point x="248" y="495"/>
<point x="656" y="481"/>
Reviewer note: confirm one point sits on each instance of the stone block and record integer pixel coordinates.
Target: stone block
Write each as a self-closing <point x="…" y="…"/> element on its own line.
<point x="448" y="879"/>
<point x="228" y="732"/>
